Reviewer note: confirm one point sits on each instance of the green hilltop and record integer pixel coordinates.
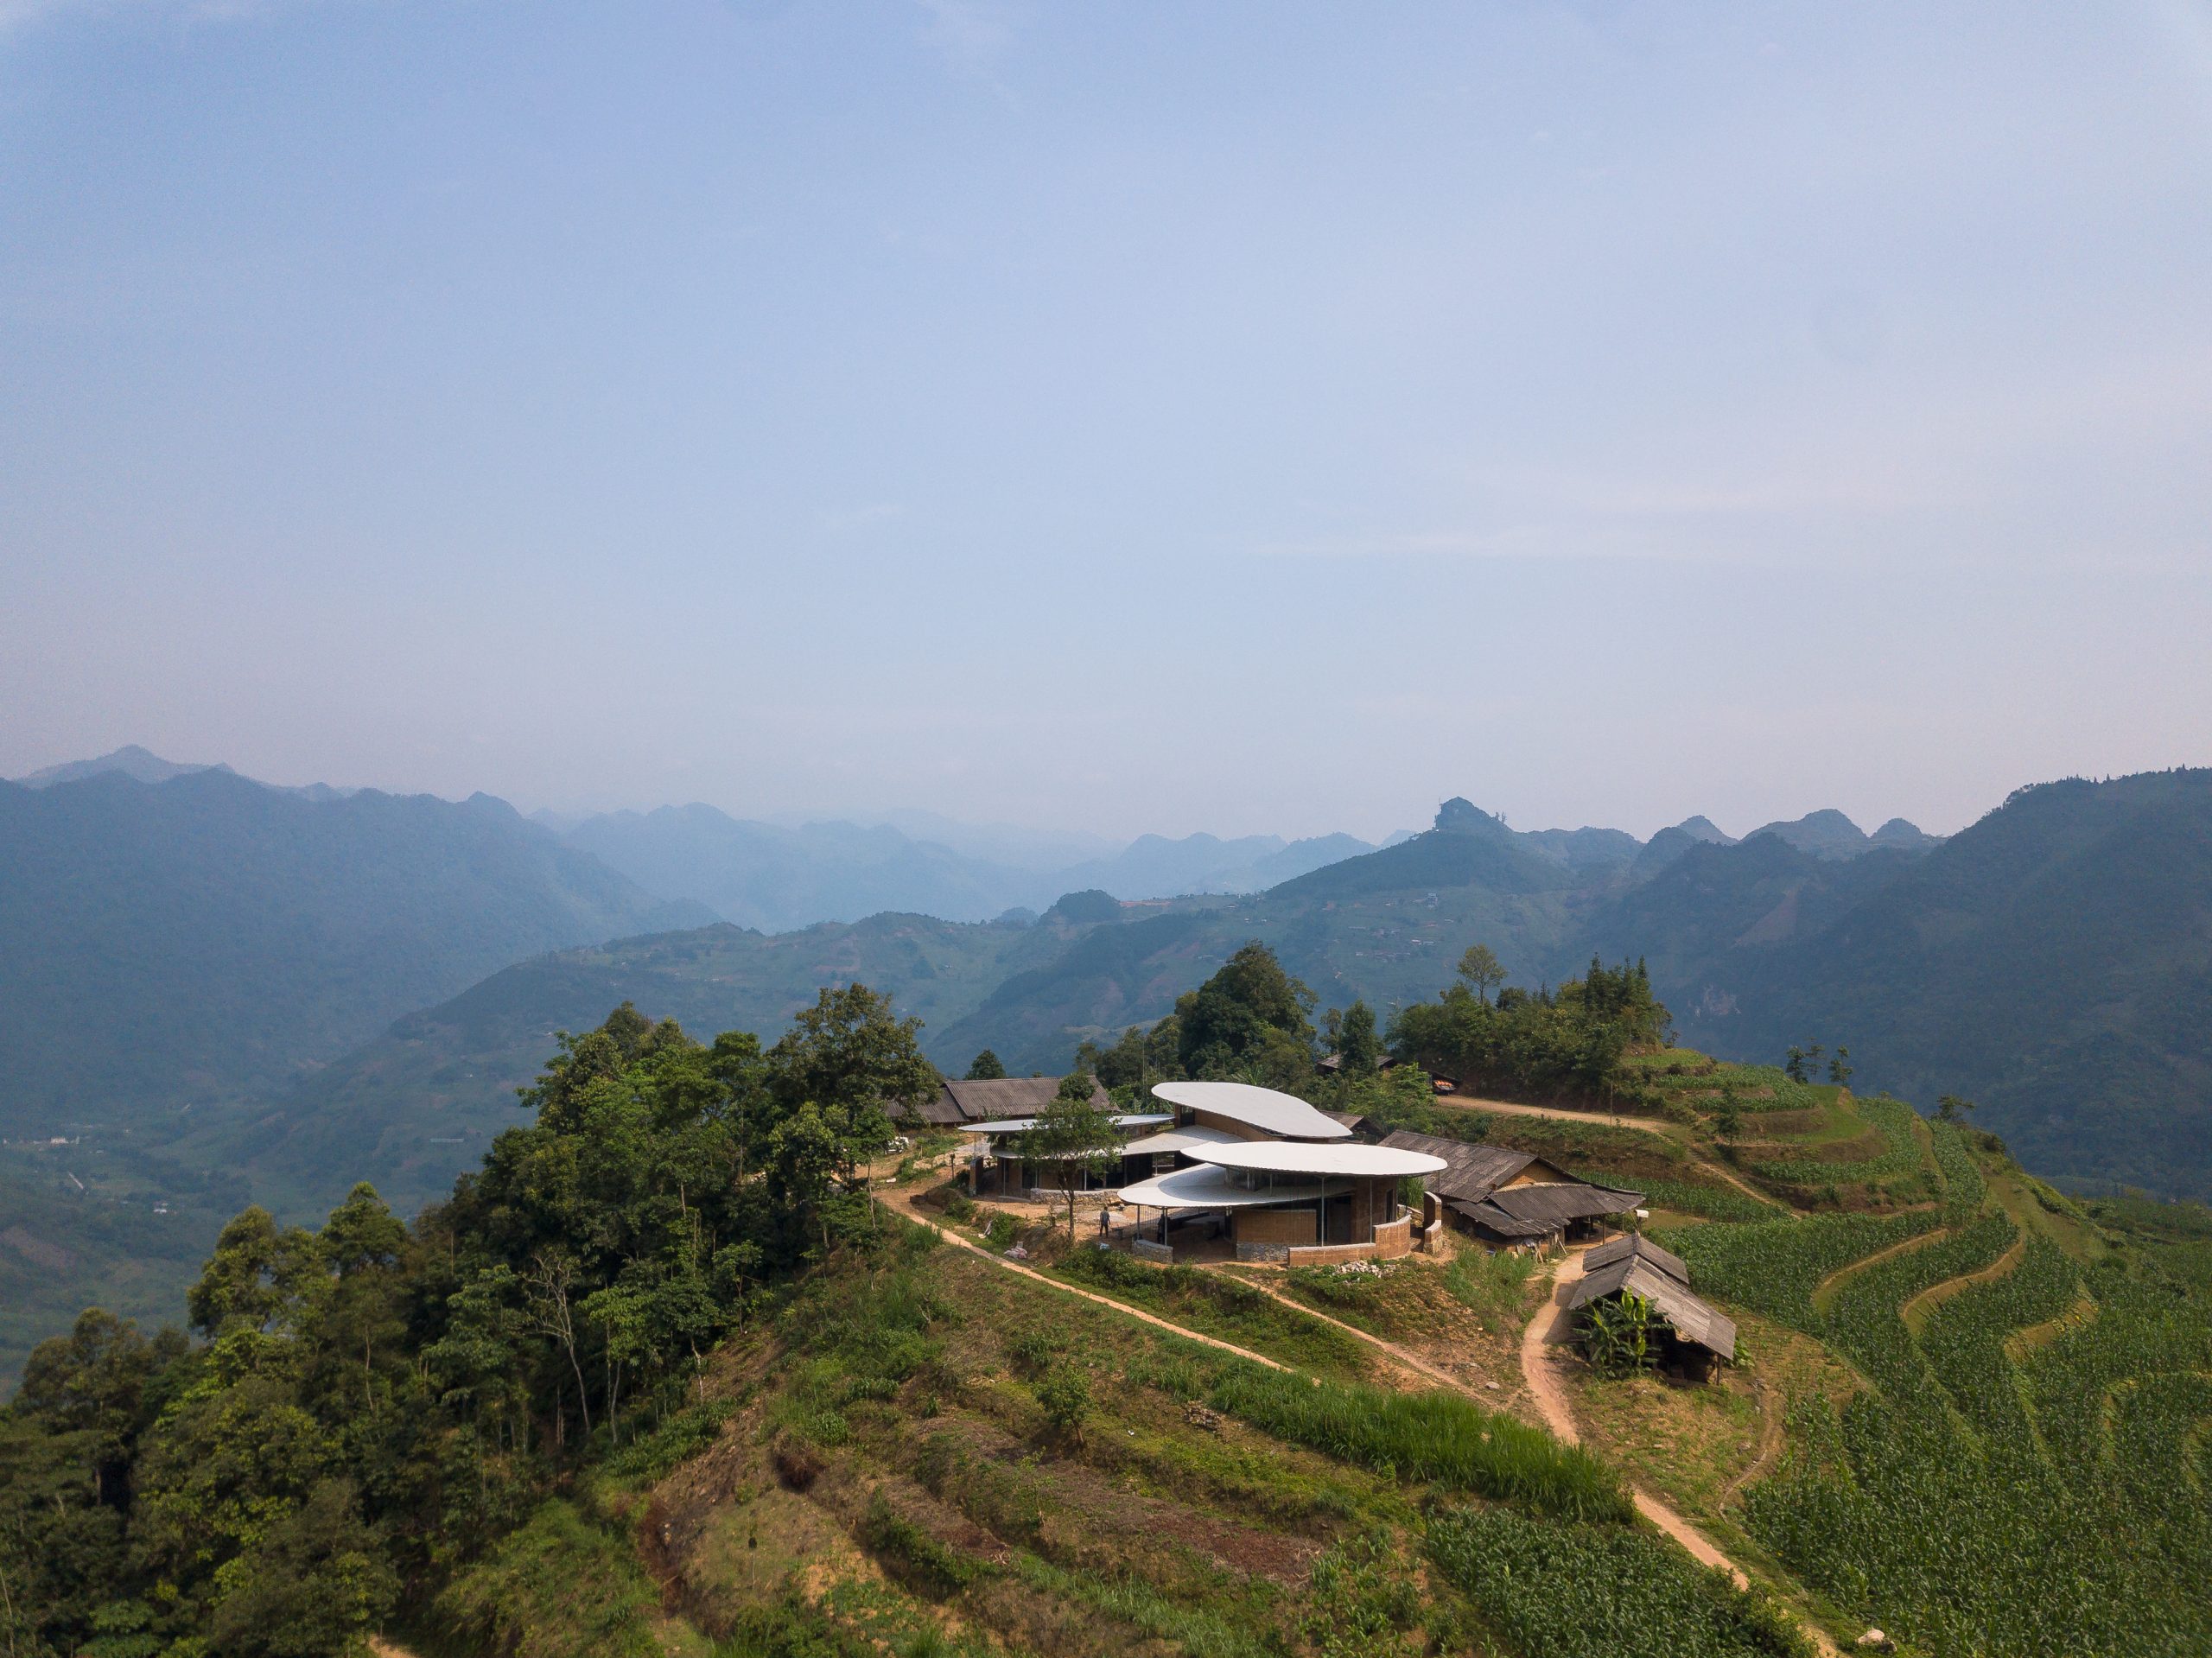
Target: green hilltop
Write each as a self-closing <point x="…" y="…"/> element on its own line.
<point x="692" y="1362"/>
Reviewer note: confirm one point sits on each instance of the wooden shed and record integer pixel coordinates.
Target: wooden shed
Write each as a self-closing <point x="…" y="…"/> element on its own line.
<point x="1700" y="1336"/>
<point x="1513" y="1199"/>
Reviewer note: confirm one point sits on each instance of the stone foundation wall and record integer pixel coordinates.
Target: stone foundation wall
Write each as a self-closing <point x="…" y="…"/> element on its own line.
<point x="1277" y="1252"/>
<point x="1146" y="1249"/>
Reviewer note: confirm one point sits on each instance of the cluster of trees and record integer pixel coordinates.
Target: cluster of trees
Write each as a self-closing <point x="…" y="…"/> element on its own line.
<point x="1251" y="1022"/>
<point x="1552" y="1043"/>
<point x="368" y="1405"/>
<point x="1802" y="1064"/>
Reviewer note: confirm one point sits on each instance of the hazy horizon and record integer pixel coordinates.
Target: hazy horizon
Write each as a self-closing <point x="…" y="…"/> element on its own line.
<point x="1248" y="419"/>
<point x="919" y="822"/>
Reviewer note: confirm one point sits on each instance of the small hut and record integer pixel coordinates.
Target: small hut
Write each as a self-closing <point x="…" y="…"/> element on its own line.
<point x="1696" y="1337"/>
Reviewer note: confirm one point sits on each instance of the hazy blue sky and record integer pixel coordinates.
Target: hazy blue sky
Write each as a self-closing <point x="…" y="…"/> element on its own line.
<point x="1217" y="416"/>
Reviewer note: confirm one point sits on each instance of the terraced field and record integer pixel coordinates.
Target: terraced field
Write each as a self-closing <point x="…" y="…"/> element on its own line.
<point x="2025" y="1472"/>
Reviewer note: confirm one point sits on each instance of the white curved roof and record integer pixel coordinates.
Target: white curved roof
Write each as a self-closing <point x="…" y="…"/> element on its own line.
<point x="1288" y="1157"/>
<point x="1181" y="1140"/>
<point x="1284" y="1116"/>
<point x="1211" y="1188"/>
<point x="1023" y="1125"/>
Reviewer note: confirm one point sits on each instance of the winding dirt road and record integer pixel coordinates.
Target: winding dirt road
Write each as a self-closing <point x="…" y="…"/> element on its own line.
<point x="1550" y="1328"/>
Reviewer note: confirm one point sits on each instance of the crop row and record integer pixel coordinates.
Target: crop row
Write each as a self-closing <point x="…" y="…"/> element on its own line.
<point x="1901" y="1155"/>
<point x="1939" y="1511"/>
<point x="1713" y="1203"/>
<point x="1433" y="1436"/>
<point x="1963" y="1187"/>
<point x="1592" y="1591"/>
<point x="1965" y="1338"/>
<point x="1772" y="1267"/>
<point x="1864" y="1319"/>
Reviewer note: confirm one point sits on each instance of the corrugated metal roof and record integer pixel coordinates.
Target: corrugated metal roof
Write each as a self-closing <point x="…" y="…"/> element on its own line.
<point x="1492" y="1218"/>
<point x="1561" y="1202"/>
<point x="1634" y="1243"/>
<point x="1692" y="1318"/>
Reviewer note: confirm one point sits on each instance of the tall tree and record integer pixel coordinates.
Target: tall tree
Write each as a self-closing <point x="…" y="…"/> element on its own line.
<point x="850" y="1050"/>
<point x="985" y="1068"/>
<point x="1072" y="1136"/>
<point x="1358" y="1046"/>
<point x="1226" y="1024"/>
<point x="1480" y="967"/>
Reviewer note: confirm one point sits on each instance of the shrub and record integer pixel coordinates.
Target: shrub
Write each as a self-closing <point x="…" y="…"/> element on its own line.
<point x="1002" y="1230"/>
<point x="1032" y="1350"/>
<point x="1065" y="1395"/>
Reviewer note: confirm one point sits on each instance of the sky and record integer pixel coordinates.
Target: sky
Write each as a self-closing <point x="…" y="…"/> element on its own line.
<point x="1239" y="417"/>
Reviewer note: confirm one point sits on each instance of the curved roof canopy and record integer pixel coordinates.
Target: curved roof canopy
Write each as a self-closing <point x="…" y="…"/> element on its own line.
<point x="1023" y="1125"/>
<point x="1284" y="1116"/>
<point x="1180" y="1139"/>
<point x="1289" y="1157"/>
<point x="1211" y="1188"/>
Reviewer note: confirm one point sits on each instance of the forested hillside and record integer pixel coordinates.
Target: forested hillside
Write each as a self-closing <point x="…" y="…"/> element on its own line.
<point x="415" y="1108"/>
<point x="2052" y="962"/>
<point x="2039" y="963"/>
<point x="686" y="1365"/>
<point x="170" y="943"/>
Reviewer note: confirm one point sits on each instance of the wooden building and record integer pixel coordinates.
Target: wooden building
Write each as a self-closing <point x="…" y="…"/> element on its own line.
<point x="1698" y="1336"/>
<point x="963" y="1105"/>
<point x="1513" y="1199"/>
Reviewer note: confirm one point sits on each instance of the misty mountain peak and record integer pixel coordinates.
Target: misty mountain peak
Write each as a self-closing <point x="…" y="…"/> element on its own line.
<point x="1460" y="816"/>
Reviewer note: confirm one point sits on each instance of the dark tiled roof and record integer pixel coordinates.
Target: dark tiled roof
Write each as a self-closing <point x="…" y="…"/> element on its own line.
<point x="1536" y="1212"/>
<point x="1561" y="1202"/>
<point x="1001" y="1096"/>
<point x="1496" y="1222"/>
<point x="1634" y="1243"/>
<point x="1472" y="1171"/>
<point x="1693" y="1319"/>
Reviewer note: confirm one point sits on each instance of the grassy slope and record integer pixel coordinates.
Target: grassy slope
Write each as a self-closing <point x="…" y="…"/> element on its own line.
<point x="888" y="1475"/>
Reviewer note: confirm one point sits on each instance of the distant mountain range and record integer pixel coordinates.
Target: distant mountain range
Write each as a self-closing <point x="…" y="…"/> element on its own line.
<point x="173" y="935"/>
<point x="240" y="987"/>
<point x="181" y="940"/>
<point x="2044" y="961"/>
<point x="777" y="876"/>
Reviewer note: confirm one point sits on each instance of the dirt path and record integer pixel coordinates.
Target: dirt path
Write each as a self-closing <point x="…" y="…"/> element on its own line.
<point x="1550" y="1327"/>
<point x="903" y="1204"/>
<point x="1769" y="1447"/>
<point x="1397" y="1354"/>
<point x="1536" y="1367"/>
